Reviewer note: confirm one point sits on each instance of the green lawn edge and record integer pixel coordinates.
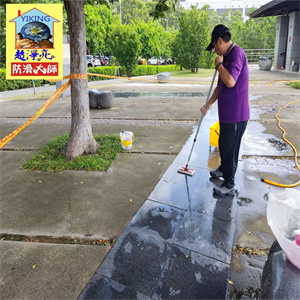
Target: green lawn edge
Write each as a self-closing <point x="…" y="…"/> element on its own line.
<point x="50" y="158"/>
<point x="295" y="85"/>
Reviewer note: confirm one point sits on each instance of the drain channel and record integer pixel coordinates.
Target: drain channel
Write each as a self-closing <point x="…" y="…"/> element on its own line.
<point x="157" y="95"/>
<point x="57" y="240"/>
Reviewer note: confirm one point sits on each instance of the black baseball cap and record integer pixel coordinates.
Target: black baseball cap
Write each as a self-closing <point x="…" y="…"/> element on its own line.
<point x="218" y="31"/>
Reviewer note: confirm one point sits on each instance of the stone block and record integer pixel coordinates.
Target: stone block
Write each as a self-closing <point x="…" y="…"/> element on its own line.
<point x="163" y="77"/>
<point x="98" y="99"/>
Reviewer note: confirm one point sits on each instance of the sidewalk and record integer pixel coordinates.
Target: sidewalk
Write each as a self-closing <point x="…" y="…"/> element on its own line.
<point x="175" y="237"/>
<point x="178" y="245"/>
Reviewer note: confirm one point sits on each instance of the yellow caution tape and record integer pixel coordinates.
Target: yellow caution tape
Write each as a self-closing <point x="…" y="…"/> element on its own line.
<point x="57" y="93"/>
<point x="10" y="136"/>
<point x="184" y="82"/>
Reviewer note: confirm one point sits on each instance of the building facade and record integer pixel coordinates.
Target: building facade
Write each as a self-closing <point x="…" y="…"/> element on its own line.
<point x="287" y="42"/>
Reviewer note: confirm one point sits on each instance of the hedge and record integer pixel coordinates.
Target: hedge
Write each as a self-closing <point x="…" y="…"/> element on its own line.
<point x="140" y="70"/>
<point x="152" y="70"/>
<point x="16" y="84"/>
<point x="111" y="71"/>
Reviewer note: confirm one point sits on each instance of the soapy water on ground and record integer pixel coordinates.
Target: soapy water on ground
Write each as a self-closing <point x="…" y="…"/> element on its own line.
<point x="256" y="142"/>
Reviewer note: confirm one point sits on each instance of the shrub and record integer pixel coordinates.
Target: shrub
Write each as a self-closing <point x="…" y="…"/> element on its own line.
<point x="6" y="85"/>
<point x="152" y="70"/>
<point x="111" y="71"/>
<point x="140" y="70"/>
<point x="295" y="85"/>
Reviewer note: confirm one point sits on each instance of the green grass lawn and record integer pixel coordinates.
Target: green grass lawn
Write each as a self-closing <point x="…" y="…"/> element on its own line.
<point x="49" y="158"/>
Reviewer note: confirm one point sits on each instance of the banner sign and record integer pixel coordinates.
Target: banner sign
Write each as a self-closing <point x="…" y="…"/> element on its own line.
<point x="34" y="41"/>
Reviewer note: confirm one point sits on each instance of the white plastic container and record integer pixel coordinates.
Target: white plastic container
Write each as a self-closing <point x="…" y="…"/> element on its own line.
<point x="127" y="138"/>
<point x="283" y="214"/>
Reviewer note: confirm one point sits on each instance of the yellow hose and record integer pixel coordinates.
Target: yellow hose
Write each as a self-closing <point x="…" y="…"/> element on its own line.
<point x="283" y="136"/>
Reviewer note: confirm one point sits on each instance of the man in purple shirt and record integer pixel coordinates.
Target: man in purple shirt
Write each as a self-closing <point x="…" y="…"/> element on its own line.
<point x="233" y="104"/>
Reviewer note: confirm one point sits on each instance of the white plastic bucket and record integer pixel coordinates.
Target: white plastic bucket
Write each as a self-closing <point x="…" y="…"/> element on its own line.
<point x="127" y="138"/>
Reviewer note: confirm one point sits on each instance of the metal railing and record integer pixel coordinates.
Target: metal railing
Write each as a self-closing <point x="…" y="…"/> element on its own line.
<point x="254" y="54"/>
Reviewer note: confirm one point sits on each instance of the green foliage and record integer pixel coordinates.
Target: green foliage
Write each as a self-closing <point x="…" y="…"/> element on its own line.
<point x="154" y="39"/>
<point x="133" y="10"/>
<point x="2" y="37"/>
<point x="263" y="29"/>
<point x="295" y="85"/>
<point x="98" y="19"/>
<point x="139" y="70"/>
<point x="152" y="70"/>
<point x="173" y="16"/>
<point x="125" y="46"/>
<point x="161" y="7"/>
<point x="111" y="71"/>
<point x="192" y="39"/>
<point x="50" y="158"/>
<point x="6" y="85"/>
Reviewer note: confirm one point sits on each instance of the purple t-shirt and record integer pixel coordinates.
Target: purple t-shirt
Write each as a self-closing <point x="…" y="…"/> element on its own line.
<point x="233" y="103"/>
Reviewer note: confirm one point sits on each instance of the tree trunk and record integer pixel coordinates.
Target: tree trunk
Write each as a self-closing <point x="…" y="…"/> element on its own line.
<point x="81" y="139"/>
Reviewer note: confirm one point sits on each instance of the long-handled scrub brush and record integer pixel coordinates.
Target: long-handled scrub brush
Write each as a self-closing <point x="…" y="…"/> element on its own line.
<point x="185" y="170"/>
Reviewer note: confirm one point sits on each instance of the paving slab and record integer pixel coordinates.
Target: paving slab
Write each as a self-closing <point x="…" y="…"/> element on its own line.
<point x="155" y="138"/>
<point x="76" y="203"/>
<point x="46" y="271"/>
<point x="190" y="275"/>
<point x="184" y="109"/>
<point x="245" y="275"/>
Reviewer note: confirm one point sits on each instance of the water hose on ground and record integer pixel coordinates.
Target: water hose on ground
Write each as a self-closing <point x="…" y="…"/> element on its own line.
<point x="295" y="151"/>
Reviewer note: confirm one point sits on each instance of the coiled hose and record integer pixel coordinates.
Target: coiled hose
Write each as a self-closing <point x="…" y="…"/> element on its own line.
<point x="295" y="151"/>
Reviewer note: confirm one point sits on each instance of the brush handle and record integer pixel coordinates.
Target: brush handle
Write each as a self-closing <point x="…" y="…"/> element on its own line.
<point x="202" y="116"/>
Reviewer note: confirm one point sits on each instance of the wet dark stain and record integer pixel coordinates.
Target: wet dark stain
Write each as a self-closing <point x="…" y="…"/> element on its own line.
<point x="162" y="220"/>
<point x="180" y="278"/>
<point x="243" y="200"/>
<point x="279" y="145"/>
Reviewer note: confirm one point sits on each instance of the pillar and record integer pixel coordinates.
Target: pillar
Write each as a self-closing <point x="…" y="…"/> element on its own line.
<point x="280" y="40"/>
<point x="293" y="43"/>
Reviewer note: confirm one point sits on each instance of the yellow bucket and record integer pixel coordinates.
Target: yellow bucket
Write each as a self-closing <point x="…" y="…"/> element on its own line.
<point x="214" y="134"/>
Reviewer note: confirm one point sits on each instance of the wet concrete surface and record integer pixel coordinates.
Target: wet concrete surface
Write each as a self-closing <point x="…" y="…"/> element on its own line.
<point x="245" y="275"/>
<point x="193" y="230"/>
<point x="176" y="236"/>
<point x="268" y="138"/>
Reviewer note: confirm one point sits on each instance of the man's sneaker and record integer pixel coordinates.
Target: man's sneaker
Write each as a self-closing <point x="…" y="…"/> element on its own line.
<point x="224" y="191"/>
<point x="216" y="174"/>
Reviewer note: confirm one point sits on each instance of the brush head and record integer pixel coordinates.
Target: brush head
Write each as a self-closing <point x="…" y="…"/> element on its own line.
<point x="186" y="171"/>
